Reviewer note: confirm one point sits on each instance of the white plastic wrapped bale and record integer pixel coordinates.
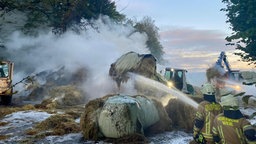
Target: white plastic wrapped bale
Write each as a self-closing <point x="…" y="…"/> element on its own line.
<point x="252" y="101"/>
<point x="124" y="115"/>
<point x="249" y="100"/>
<point x="249" y="77"/>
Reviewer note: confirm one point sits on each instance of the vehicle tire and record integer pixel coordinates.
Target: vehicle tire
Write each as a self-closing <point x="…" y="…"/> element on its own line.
<point x="6" y="99"/>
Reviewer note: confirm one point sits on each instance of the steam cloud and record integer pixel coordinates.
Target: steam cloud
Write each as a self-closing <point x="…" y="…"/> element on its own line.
<point x="93" y="49"/>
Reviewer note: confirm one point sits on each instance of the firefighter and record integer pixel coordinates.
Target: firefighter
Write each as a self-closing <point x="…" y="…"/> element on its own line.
<point x="207" y="110"/>
<point x="231" y="127"/>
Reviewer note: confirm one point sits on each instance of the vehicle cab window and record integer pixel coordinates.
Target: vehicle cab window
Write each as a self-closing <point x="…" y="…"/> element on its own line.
<point x="4" y="70"/>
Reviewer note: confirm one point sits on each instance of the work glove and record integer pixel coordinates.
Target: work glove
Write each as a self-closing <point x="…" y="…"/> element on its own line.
<point x="199" y="138"/>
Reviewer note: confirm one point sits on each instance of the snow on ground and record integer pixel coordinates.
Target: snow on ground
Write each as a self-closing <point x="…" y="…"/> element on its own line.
<point x="174" y="137"/>
<point x="25" y="117"/>
<point x="75" y="138"/>
<point x="19" y="122"/>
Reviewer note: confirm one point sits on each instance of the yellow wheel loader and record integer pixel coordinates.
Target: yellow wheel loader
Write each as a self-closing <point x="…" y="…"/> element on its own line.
<point x="177" y="78"/>
<point x="6" y="87"/>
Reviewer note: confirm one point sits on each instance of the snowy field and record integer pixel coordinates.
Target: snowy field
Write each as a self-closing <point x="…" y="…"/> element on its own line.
<point x="19" y="122"/>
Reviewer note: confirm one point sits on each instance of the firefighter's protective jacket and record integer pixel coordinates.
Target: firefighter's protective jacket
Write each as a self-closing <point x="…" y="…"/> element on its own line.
<point x="205" y="117"/>
<point x="231" y="130"/>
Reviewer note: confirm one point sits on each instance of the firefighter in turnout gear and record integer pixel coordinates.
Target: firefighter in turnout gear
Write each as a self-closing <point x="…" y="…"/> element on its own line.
<point x="231" y="127"/>
<point x="207" y="110"/>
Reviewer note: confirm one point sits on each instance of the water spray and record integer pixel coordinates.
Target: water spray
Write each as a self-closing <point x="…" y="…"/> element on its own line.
<point x="173" y="92"/>
<point x="248" y="89"/>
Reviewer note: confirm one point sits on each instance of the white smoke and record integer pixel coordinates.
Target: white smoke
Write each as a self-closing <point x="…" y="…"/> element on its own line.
<point x="94" y="49"/>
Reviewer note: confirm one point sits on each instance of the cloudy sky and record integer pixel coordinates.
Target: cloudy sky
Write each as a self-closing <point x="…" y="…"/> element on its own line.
<point x="192" y="32"/>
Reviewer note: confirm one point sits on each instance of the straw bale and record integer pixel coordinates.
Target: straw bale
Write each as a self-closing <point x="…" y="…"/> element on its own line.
<point x="128" y="61"/>
<point x="164" y="124"/>
<point x="181" y="114"/>
<point x="88" y="120"/>
<point x="144" y="64"/>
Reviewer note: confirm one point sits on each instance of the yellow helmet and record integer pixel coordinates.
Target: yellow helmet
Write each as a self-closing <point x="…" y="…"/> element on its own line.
<point x="208" y="89"/>
<point x="229" y="101"/>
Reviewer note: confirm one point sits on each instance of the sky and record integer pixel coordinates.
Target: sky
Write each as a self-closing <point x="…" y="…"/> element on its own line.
<point x="192" y="32"/>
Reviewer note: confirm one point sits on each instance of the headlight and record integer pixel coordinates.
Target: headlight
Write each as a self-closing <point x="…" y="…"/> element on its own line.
<point x="170" y="84"/>
<point x="238" y="88"/>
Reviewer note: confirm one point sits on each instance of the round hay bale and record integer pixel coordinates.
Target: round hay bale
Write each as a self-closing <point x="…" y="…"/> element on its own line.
<point x="181" y="114"/>
<point x="143" y="64"/>
<point x="88" y="120"/>
<point x="124" y="115"/>
<point x="164" y="124"/>
<point x="120" y="116"/>
<point x="147" y="66"/>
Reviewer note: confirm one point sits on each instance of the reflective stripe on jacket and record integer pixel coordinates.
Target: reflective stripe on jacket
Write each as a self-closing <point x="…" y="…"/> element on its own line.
<point x="206" y="113"/>
<point x="230" y="131"/>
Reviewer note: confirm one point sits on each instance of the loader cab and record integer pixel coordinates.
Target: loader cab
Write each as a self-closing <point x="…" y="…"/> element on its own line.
<point x="4" y="70"/>
<point x="177" y="78"/>
<point x="6" y="75"/>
